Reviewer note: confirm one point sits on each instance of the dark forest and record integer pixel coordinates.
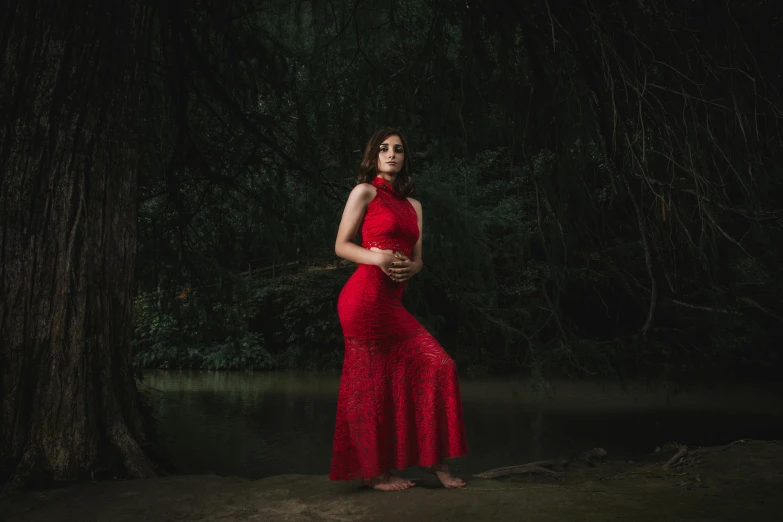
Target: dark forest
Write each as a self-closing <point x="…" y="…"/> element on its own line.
<point x="601" y="184"/>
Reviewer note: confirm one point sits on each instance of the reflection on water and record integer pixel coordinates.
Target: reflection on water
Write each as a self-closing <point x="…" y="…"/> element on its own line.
<point x="263" y="424"/>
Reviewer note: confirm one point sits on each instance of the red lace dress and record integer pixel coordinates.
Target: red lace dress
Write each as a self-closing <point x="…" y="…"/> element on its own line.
<point x="399" y="402"/>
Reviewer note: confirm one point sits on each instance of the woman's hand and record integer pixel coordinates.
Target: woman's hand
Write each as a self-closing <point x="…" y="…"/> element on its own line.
<point x="385" y="260"/>
<point x="402" y="268"/>
<point x="396" y="265"/>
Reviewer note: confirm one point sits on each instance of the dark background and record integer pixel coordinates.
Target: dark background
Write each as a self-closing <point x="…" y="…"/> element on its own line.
<point x="601" y="184"/>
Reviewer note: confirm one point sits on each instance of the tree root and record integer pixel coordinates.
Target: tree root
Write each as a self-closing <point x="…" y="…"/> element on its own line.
<point x="137" y="464"/>
<point x="22" y="473"/>
<point x="31" y="466"/>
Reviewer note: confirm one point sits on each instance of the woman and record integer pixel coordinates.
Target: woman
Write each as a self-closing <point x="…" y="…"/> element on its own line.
<point x="399" y="403"/>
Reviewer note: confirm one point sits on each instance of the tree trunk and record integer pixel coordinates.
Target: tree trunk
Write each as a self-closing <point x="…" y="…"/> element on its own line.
<point x="69" y="90"/>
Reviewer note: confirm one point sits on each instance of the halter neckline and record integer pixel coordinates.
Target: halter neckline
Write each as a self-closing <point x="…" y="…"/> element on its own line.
<point x="381" y="183"/>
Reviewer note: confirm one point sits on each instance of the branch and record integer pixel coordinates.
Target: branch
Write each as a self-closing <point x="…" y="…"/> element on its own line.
<point x="755" y="304"/>
<point x="532" y="467"/>
<point x="232" y="104"/>
<point x="706" y="308"/>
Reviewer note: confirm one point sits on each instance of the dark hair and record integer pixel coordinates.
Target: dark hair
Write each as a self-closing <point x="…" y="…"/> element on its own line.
<point x="368" y="169"/>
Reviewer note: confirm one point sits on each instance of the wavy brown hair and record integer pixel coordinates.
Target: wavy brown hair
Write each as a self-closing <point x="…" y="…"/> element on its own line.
<point x="368" y="169"/>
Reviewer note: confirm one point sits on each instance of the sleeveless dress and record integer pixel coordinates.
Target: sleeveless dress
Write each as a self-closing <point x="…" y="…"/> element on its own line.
<point x="399" y="402"/>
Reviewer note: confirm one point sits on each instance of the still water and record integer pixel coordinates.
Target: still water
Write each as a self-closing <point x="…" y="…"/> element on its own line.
<point x="263" y="424"/>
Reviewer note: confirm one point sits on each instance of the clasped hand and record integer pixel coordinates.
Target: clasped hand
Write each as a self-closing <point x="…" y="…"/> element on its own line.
<point x="399" y="267"/>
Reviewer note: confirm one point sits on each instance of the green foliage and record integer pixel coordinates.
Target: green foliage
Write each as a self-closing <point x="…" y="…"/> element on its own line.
<point x="298" y="318"/>
<point x="590" y="207"/>
<point x="281" y="323"/>
<point x="197" y="333"/>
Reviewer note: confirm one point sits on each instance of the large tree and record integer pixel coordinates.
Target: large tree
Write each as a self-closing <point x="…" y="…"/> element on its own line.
<point x="69" y="93"/>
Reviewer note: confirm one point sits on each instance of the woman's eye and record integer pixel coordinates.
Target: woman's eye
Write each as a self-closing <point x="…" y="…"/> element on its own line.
<point x="398" y="150"/>
<point x="384" y="149"/>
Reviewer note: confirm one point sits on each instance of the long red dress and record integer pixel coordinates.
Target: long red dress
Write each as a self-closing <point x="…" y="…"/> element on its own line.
<point x="399" y="402"/>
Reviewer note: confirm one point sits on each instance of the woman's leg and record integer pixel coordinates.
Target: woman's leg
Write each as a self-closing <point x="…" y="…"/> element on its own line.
<point x="441" y="430"/>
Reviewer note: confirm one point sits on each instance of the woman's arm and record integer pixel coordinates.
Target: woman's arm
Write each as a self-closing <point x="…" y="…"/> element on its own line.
<point x="417" y="261"/>
<point x="354" y="211"/>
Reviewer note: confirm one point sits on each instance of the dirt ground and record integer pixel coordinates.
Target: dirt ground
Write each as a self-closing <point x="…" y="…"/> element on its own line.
<point x="742" y="481"/>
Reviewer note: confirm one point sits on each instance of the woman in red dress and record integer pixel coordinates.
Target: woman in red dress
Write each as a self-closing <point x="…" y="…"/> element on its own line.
<point x="399" y="403"/>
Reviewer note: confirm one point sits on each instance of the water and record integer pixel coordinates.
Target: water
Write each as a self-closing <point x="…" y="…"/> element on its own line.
<point x="263" y="424"/>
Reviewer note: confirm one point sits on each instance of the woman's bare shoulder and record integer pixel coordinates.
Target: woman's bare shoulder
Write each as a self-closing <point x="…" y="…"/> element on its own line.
<point x="416" y="204"/>
<point x="362" y="192"/>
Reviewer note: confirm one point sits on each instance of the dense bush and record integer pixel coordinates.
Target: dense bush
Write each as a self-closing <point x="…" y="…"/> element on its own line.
<point x="280" y="323"/>
<point x="501" y="290"/>
<point x="591" y="207"/>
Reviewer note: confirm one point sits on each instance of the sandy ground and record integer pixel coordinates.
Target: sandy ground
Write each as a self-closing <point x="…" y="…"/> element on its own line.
<point x="742" y="481"/>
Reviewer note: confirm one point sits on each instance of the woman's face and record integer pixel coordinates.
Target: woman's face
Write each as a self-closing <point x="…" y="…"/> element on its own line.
<point x="390" y="155"/>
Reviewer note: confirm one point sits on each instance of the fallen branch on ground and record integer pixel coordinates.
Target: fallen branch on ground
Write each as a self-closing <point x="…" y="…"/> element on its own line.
<point x="541" y="466"/>
<point x="532" y="467"/>
<point x="682" y="451"/>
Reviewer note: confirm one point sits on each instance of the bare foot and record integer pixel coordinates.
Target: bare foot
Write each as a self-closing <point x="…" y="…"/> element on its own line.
<point x="447" y="479"/>
<point x="388" y="482"/>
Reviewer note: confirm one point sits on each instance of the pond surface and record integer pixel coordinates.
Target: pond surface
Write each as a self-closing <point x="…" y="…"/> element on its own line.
<point x="261" y="424"/>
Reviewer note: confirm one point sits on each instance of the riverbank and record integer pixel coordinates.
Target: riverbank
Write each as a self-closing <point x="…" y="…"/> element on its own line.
<point x="738" y="482"/>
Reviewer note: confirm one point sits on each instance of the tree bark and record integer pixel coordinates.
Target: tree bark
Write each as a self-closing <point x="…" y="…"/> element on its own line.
<point x="69" y="93"/>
